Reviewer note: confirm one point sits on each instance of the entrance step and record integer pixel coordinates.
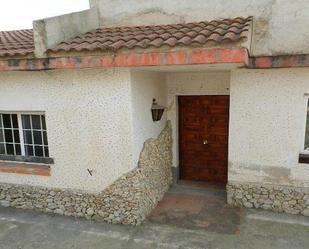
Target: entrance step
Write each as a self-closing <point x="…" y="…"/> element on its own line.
<point x="198" y="206"/>
<point x="199" y="188"/>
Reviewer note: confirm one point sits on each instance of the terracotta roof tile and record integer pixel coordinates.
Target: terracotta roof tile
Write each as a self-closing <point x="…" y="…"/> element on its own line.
<point x="18" y="42"/>
<point x="198" y="33"/>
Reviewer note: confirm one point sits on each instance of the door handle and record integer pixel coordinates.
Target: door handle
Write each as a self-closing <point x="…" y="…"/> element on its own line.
<point x="205" y="142"/>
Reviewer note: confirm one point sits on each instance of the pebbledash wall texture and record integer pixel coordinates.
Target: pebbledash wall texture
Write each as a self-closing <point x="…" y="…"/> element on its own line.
<point x="269" y="108"/>
<point x="77" y="124"/>
<point x="127" y="201"/>
<point x="106" y="128"/>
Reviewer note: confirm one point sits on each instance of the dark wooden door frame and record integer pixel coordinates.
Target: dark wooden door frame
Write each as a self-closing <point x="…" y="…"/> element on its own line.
<point x="179" y="131"/>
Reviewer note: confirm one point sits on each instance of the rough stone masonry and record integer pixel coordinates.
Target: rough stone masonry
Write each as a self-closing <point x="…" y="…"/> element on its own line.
<point x="290" y="200"/>
<point x="127" y="201"/>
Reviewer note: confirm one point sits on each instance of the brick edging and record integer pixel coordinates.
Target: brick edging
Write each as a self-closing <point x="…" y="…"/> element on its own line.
<point x="132" y="59"/>
<point x="280" y="61"/>
<point x="23" y="168"/>
<point x="195" y="56"/>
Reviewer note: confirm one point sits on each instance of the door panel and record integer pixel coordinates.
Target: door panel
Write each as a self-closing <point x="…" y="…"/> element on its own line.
<point x="203" y="137"/>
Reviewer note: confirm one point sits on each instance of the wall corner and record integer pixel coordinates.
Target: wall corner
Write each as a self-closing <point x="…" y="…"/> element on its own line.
<point x="51" y="31"/>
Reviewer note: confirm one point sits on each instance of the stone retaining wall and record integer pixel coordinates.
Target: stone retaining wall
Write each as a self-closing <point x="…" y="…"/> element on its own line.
<point x="277" y="198"/>
<point x="127" y="201"/>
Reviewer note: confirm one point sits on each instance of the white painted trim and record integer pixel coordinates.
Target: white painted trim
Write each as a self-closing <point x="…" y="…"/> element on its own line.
<point x="13" y="135"/>
<point x="304" y="150"/>
<point x="32" y="136"/>
<point x="3" y="135"/>
<point x="42" y="138"/>
<point x="23" y="112"/>
<point x="21" y="135"/>
<point x="21" y="131"/>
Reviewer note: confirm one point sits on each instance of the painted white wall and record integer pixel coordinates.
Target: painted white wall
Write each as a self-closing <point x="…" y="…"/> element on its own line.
<point x="205" y="83"/>
<point x="267" y="126"/>
<point x="280" y="26"/>
<point x="144" y="87"/>
<point x="99" y="119"/>
<point x="88" y="118"/>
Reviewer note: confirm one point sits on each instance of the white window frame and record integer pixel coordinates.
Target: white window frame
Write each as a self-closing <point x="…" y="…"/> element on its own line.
<point x="304" y="149"/>
<point x="21" y="129"/>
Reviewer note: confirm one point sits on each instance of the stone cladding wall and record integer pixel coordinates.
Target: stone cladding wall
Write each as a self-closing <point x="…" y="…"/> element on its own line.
<point x="127" y="201"/>
<point x="286" y="199"/>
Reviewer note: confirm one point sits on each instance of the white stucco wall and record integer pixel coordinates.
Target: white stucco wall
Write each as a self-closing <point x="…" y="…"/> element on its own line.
<point x="267" y="126"/>
<point x="88" y="119"/>
<point x="99" y="119"/>
<point x="144" y="87"/>
<point x="205" y="83"/>
<point x="275" y="21"/>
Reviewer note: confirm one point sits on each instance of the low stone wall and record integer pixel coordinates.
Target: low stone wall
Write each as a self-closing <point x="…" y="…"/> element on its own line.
<point x="127" y="201"/>
<point x="277" y="198"/>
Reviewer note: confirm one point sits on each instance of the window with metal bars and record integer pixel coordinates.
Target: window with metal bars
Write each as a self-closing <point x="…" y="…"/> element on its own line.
<point x="23" y="134"/>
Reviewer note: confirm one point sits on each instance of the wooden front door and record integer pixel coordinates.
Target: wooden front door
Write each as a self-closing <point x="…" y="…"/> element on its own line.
<point x="203" y="137"/>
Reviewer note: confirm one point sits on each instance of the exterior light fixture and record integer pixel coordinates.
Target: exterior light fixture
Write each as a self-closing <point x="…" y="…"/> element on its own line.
<point x="156" y="111"/>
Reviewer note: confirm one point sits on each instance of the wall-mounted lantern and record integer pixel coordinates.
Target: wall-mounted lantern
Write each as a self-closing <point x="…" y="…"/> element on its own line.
<point x="156" y="111"/>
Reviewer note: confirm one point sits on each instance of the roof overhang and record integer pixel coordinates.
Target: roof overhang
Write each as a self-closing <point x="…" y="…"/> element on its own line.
<point x="237" y="56"/>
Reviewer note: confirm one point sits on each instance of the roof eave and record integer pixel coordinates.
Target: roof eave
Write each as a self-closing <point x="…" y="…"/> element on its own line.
<point x="196" y="56"/>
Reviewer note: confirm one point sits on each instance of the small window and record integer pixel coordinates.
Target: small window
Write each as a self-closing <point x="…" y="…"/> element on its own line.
<point x="23" y="134"/>
<point x="307" y="129"/>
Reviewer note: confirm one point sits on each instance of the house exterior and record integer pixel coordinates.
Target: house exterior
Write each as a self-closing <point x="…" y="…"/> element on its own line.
<point x="76" y="130"/>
